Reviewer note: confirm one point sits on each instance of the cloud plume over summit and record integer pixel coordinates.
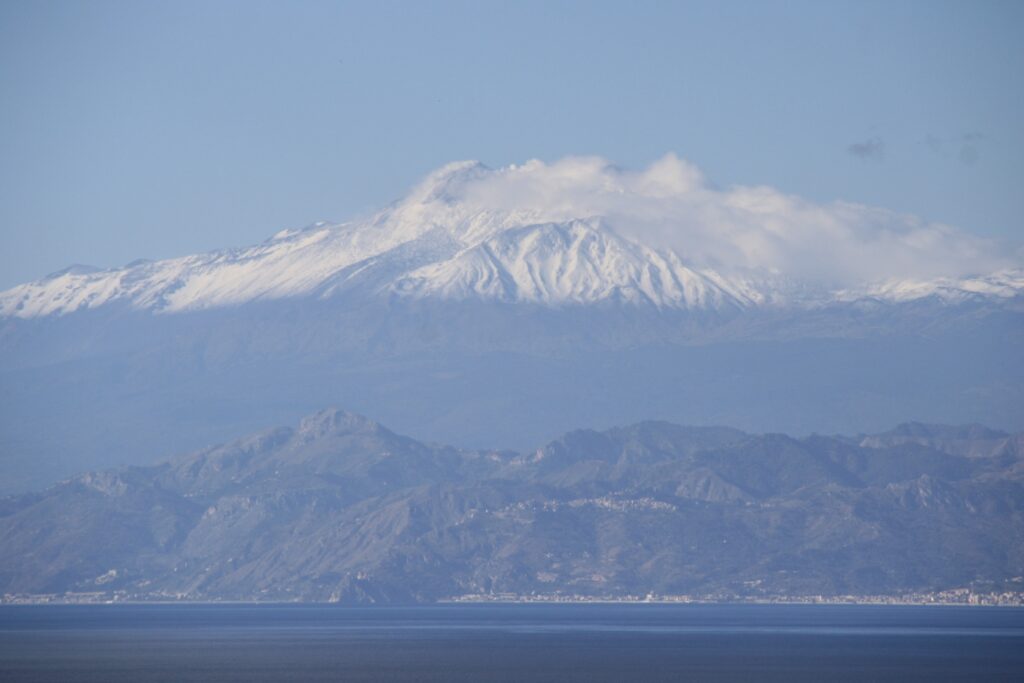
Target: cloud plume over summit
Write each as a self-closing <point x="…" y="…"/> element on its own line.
<point x="670" y="204"/>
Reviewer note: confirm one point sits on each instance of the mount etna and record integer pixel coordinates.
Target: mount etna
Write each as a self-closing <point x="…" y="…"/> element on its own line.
<point x="502" y="307"/>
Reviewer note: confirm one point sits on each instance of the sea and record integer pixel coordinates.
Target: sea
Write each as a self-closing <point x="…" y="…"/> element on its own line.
<point x="510" y="642"/>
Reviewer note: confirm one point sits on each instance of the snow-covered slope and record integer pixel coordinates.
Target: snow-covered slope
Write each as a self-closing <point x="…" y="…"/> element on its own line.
<point x="580" y="262"/>
<point x="1003" y="284"/>
<point x="436" y="244"/>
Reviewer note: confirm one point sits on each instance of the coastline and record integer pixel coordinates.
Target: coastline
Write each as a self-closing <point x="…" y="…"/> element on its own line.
<point x="953" y="598"/>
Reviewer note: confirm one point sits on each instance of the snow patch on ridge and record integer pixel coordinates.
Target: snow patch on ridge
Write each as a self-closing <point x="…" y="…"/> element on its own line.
<point x="1004" y="284"/>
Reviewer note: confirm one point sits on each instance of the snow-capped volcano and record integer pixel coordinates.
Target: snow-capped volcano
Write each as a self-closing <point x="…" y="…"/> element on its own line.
<point x="546" y="235"/>
<point x="501" y="306"/>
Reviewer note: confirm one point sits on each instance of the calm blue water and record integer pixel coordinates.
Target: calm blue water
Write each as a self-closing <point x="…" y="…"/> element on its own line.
<point x="510" y="643"/>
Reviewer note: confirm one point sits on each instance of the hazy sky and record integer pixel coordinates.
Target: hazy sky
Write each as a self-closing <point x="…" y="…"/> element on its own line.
<point x="136" y="129"/>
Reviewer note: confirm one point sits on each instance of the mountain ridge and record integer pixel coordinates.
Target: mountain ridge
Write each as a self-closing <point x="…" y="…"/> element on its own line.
<point x="342" y="509"/>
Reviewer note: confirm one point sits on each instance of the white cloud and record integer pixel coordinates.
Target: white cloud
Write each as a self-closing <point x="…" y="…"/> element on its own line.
<point x="670" y="204"/>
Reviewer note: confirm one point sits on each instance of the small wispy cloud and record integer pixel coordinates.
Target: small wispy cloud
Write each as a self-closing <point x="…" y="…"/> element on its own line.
<point x="872" y="149"/>
<point x="964" y="148"/>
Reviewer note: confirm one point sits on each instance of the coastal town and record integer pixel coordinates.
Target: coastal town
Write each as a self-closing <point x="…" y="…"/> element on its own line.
<point x="956" y="596"/>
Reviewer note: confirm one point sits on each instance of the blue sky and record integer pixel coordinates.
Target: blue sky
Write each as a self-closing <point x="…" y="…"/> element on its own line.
<point x="136" y="129"/>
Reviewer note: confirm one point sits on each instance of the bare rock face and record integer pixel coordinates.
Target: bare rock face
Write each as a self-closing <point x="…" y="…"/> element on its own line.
<point x="343" y="509"/>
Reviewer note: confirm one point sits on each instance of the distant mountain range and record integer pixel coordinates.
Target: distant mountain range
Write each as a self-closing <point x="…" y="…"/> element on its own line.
<point x="343" y="509"/>
<point x="486" y="323"/>
<point x="434" y="244"/>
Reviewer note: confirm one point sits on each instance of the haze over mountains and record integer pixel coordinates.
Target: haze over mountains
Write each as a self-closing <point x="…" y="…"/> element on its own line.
<point x="343" y="509"/>
<point x="499" y="308"/>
